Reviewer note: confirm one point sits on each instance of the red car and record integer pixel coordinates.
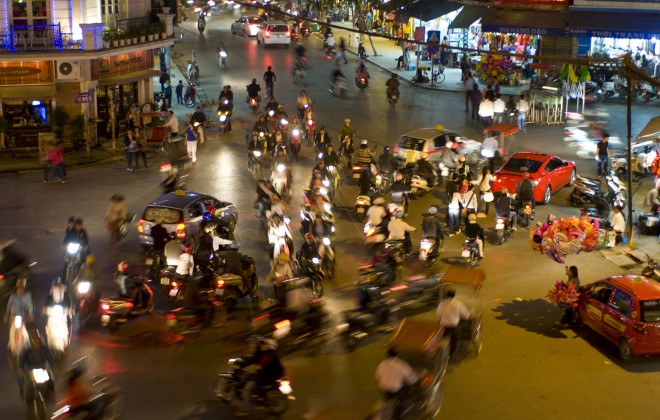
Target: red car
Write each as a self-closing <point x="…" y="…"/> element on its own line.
<point x="626" y="311"/>
<point x="549" y="173"/>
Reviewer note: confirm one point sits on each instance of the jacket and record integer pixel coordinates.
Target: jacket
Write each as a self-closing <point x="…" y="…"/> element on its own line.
<point x="431" y="226"/>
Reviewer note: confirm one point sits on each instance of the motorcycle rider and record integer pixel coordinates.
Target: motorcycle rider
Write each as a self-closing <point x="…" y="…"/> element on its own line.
<point x="364" y="155"/>
<point x="399" y="190"/>
<point x="143" y="297"/>
<point x="265" y="369"/>
<point x="160" y="235"/>
<point x="426" y="170"/>
<point x="34" y="355"/>
<point x="395" y="377"/>
<point x="450" y="312"/>
<point x="192" y="300"/>
<point x="377" y="215"/>
<point x="186" y="263"/>
<point x="173" y="250"/>
<point x="392" y="86"/>
<point x="400" y="231"/>
<point x="503" y="208"/>
<point x="362" y="73"/>
<point x="228" y="94"/>
<point x="346" y="130"/>
<point x="474" y="231"/>
<point x="330" y="157"/>
<point x="253" y="90"/>
<point x="116" y="213"/>
<point x="346" y="149"/>
<point x="77" y="393"/>
<point x="386" y="161"/>
<point x="525" y="193"/>
<point x="281" y="272"/>
<point x="432" y="228"/>
<point x="78" y="235"/>
<point x="234" y="265"/>
<point x="19" y="303"/>
<point x="303" y="99"/>
<point x="261" y="125"/>
<point x="271" y="105"/>
<point x="255" y="144"/>
<point x="308" y="250"/>
<point x="322" y="139"/>
<point x="204" y="249"/>
<point x="198" y="118"/>
<point x="121" y="279"/>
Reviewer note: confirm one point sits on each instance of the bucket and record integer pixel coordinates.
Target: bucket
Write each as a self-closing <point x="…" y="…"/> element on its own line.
<point x="625" y="240"/>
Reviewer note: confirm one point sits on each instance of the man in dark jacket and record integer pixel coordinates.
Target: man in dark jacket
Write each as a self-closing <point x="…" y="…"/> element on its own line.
<point x="234" y="264"/>
<point x="159" y="235"/>
<point x="525" y="191"/>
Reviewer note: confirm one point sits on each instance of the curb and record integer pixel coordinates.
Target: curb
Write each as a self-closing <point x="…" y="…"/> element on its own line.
<point x="78" y="165"/>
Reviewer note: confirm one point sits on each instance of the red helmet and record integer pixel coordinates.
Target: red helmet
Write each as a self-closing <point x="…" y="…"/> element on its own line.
<point x="525" y="175"/>
<point x="122" y="266"/>
<point x="309" y="236"/>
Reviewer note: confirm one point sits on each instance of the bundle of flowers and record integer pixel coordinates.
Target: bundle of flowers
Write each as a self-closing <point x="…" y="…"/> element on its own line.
<point x="494" y="66"/>
<point x="564" y="294"/>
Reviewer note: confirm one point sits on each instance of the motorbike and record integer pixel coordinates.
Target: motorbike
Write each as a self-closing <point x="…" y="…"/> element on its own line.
<point x="283" y="124"/>
<point x="502" y="228"/>
<point x="419" y="185"/>
<point x="117" y="310"/>
<point x="254" y="162"/>
<point x="593" y="92"/>
<point x="184" y="321"/>
<point x="155" y="262"/>
<point x="646" y="91"/>
<point x="616" y="86"/>
<point x="383" y="183"/>
<point x="280" y="179"/>
<point x="295" y="143"/>
<point x="229" y="287"/>
<point x="310" y="126"/>
<point x="649" y="224"/>
<point x="190" y="96"/>
<point x="39" y="391"/>
<point x="398" y="202"/>
<point x="273" y="398"/>
<point x="393" y="97"/>
<point x="361" y="83"/>
<point x="471" y="251"/>
<point x="428" y="249"/>
<point x="315" y="272"/>
<point x="193" y="74"/>
<point x="373" y="234"/>
<point x="253" y="102"/>
<point x="362" y="204"/>
<point x="58" y="328"/>
<point x="525" y="213"/>
<point x="360" y="324"/>
<point x="201" y="23"/>
<point x="73" y="261"/>
<point x="105" y="403"/>
<point x="651" y="269"/>
<point x="224" y="116"/>
<point x="222" y="59"/>
<point x="362" y="53"/>
<point x="18" y="336"/>
<point x="338" y="87"/>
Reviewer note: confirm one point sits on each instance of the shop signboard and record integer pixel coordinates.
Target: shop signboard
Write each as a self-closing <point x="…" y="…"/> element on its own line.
<point x="433" y="42"/>
<point x="84" y="97"/>
<point x="26" y="73"/>
<point x="419" y="33"/>
<point x="122" y="64"/>
<point x="603" y="33"/>
<point x="522" y="30"/>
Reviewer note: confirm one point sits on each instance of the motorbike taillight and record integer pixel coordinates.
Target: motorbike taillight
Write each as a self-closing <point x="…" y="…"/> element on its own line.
<point x="105" y="307"/>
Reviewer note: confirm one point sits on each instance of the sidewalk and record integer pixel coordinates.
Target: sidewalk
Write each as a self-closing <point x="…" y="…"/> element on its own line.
<point x="388" y="53"/>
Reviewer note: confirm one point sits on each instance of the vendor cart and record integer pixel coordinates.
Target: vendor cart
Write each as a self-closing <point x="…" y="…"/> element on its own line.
<point x="504" y="130"/>
<point x="466" y="283"/>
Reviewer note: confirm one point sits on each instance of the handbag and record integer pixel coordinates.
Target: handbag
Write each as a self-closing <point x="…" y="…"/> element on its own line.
<point x="488" y="197"/>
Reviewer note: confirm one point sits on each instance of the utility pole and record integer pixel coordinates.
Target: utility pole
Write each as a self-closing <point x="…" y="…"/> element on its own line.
<point x="630" y="80"/>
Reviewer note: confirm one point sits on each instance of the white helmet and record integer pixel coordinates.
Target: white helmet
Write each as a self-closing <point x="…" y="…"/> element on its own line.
<point x="364" y="142"/>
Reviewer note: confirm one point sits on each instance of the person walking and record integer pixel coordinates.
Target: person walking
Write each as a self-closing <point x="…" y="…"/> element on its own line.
<point x="603" y="154"/>
<point x="485" y="183"/>
<point x="54" y="164"/>
<point x="490" y="149"/>
<point x="179" y="92"/>
<point x="523" y="109"/>
<point x="571" y="278"/>
<point x="469" y="84"/>
<point x="164" y="78"/>
<point x="191" y="142"/>
<point x="499" y="109"/>
<point x="475" y="98"/>
<point x="486" y="110"/>
<point x="270" y="79"/>
<point x="454" y="213"/>
<point x="142" y="143"/>
<point x="132" y="148"/>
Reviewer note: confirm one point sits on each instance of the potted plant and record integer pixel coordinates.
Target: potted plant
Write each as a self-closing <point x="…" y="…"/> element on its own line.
<point x="163" y="31"/>
<point x="59" y="121"/>
<point x="134" y="35"/>
<point x="78" y="128"/>
<point x="122" y="40"/>
<point x="142" y="30"/>
<point x="107" y="39"/>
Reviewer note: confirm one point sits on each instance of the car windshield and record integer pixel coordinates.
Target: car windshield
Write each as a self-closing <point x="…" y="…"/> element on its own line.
<point x="168" y="215"/>
<point x="522" y="165"/>
<point x="413" y="143"/>
<point x="278" y="28"/>
<point x="650" y="310"/>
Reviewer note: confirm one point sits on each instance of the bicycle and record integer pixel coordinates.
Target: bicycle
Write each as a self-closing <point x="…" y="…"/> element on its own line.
<point x="439" y="76"/>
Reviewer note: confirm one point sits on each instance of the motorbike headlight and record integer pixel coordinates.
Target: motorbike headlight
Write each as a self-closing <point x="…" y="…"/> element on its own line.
<point x="283" y="121"/>
<point x="223" y="54"/>
<point x="84" y="286"/>
<point x="58" y="310"/>
<point x="327" y="207"/>
<point x="285" y="387"/>
<point x="271" y="113"/>
<point x="323" y="191"/>
<point x="148" y="261"/>
<point x="281" y="167"/>
<point x="332" y="229"/>
<point x="319" y="156"/>
<point x="325" y="183"/>
<point x="261" y="134"/>
<point x="232" y="361"/>
<point x="326" y="241"/>
<point x="256" y="153"/>
<point x="310" y="122"/>
<point x="315" y="260"/>
<point x="40" y="375"/>
<point x="18" y="321"/>
<point x="331" y="168"/>
<point x="295" y="132"/>
<point x="73" y="248"/>
<point x="223" y="118"/>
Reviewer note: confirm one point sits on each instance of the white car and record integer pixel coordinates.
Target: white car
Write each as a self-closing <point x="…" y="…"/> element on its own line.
<point x="273" y="33"/>
<point x="246" y="26"/>
<point x="430" y="141"/>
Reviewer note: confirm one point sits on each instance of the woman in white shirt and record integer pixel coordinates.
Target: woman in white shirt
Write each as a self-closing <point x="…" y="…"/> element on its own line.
<point x="470" y="202"/>
<point x="454" y="212"/>
<point x="618" y="223"/>
<point x="485" y="182"/>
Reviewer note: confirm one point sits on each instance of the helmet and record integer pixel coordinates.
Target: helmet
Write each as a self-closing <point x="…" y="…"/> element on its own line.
<point x="309" y="236"/>
<point x="386" y="149"/>
<point x="432" y="210"/>
<point x="57" y="280"/>
<point x="234" y="245"/>
<point x="254" y="81"/>
<point x="472" y="218"/>
<point x="347" y="121"/>
<point x="378" y="201"/>
<point x="89" y="259"/>
<point x="399" y="214"/>
<point x="461" y="159"/>
<point x="122" y="266"/>
<point x="504" y="190"/>
<point x="280" y="106"/>
<point x="363" y="142"/>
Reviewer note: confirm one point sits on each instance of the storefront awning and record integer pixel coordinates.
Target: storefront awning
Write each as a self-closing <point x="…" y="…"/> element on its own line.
<point x="426" y="10"/>
<point x="525" y="22"/>
<point x="614" y="25"/>
<point x="27" y="92"/>
<point x="129" y="77"/>
<point x="467" y="16"/>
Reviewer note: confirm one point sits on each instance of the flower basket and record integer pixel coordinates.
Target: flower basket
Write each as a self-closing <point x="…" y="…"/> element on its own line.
<point x="564" y="295"/>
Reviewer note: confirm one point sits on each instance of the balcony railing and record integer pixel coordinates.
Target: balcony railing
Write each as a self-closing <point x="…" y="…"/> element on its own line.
<point x="34" y="38"/>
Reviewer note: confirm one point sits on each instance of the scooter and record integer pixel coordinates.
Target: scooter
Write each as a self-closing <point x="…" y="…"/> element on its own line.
<point x="310" y="126"/>
<point x="525" y="213"/>
<point x="254" y="104"/>
<point x="279" y="177"/>
<point x="420" y="186"/>
<point x="651" y="269"/>
<point x="315" y="273"/>
<point x="184" y="321"/>
<point x="471" y="251"/>
<point x="646" y="91"/>
<point x="398" y="202"/>
<point x="362" y="204"/>
<point x="383" y="183"/>
<point x="295" y="143"/>
<point x="106" y="403"/>
<point x="428" y="249"/>
<point x="373" y="234"/>
<point x="58" y="332"/>
<point x="229" y="287"/>
<point x="189" y="97"/>
<point x="201" y="23"/>
<point x="72" y="259"/>
<point x="393" y="96"/>
<point x="502" y="229"/>
<point x="224" y="115"/>
<point x="115" y="311"/>
<point x="338" y="87"/>
<point x="361" y="83"/>
<point x="360" y="324"/>
<point x="39" y="391"/>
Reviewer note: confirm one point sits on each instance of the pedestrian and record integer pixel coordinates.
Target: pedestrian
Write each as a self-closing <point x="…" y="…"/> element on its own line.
<point x="168" y="93"/>
<point x="571" y="278"/>
<point x="164" y="78"/>
<point x="652" y="200"/>
<point x="475" y="98"/>
<point x="179" y="92"/>
<point x="523" y="109"/>
<point x="198" y="118"/>
<point x="486" y="111"/>
<point x="191" y="142"/>
<point x="142" y="143"/>
<point x="270" y="79"/>
<point x="342" y="51"/>
<point x="485" y="183"/>
<point x="603" y="154"/>
<point x="468" y="83"/>
<point x="173" y="124"/>
<point x="454" y="213"/>
<point x="132" y="148"/>
<point x="490" y="149"/>
<point x="499" y="109"/>
<point x="54" y="163"/>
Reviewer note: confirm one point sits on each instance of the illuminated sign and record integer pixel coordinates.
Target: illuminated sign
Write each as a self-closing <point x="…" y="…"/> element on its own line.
<point x="122" y="64"/>
<point x="26" y="73"/>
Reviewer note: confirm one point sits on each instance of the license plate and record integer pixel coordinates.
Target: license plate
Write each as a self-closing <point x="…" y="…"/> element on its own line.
<point x="378" y="181"/>
<point x="219" y="292"/>
<point x="499" y="226"/>
<point x="171" y="322"/>
<point x="422" y="256"/>
<point x="164" y="280"/>
<point x="360" y="210"/>
<point x="528" y="211"/>
<point x="173" y="292"/>
<point x="105" y="319"/>
<point x="466" y="253"/>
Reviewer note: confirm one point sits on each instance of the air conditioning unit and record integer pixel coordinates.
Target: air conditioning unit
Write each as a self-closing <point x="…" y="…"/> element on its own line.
<point x="69" y="71"/>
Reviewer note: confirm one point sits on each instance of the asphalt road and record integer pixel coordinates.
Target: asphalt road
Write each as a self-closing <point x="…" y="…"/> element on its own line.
<point x="528" y="368"/>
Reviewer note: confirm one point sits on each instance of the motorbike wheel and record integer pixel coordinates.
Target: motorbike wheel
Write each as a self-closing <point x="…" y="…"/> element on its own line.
<point x="524" y="220"/>
<point x="360" y="217"/>
<point x="636" y="176"/>
<point x="38" y="408"/>
<point x="276" y="402"/>
<point x="112" y="325"/>
<point x="317" y="287"/>
<point x="224" y="390"/>
<point x="500" y="236"/>
<point x="190" y="103"/>
<point x="329" y="270"/>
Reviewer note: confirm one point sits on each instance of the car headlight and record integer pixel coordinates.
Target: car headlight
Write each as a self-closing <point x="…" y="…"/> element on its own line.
<point x="315" y="260"/>
<point x="40" y="375"/>
<point x="73" y="248"/>
<point x="326" y="241"/>
<point x="84" y="286"/>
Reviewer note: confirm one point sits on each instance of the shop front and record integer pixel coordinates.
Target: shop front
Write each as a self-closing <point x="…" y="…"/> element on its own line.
<point x="123" y="82"/>
<point x="27" y="89"/>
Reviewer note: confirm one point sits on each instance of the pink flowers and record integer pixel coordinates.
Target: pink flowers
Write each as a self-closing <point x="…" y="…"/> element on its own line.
<point x="564" y="294"/>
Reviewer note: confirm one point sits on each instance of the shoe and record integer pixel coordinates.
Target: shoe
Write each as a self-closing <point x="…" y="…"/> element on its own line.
<point x="241" y="413"/>
<point x="63" y="182"/>
<point x="481" y="215"/>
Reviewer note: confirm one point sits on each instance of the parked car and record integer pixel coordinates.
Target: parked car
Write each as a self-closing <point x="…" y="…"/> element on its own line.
<point x="626" y="311"/>
<point x="549" y="173"/>
<point x="246" y="26"/>
<point x="181" y="212"/>
<point x="273" y="32"/>
<point x="431" y="141"/>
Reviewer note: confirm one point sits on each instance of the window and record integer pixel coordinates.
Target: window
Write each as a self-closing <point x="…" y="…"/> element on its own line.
<point x="621" y="302"/>
<point x="440" y="141"/>
<point x="109" y="7"/>
<point x="553" y="164"/>
<point x="29" y="12"/>
<point x="278" y="28"/>
<point x="412" y="143"/>
<point x="650" y="310"/>
<point x="195" y="210"/>
<point x="601" y="292"/>
<point x="522" y="165"/>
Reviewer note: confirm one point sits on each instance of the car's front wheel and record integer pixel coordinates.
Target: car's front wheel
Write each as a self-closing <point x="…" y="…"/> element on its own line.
<point x="547" y="195"/>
